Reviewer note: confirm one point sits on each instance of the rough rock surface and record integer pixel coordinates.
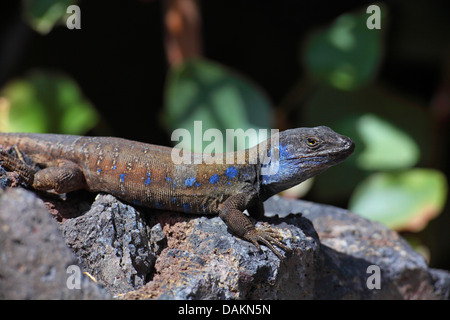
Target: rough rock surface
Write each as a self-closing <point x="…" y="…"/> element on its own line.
<point x="138" y="253"/>
<point x="35" y="262"/>
<point x="202" y="261"/>
<point x="350" y="244"/>
<point x="112" y="243"/>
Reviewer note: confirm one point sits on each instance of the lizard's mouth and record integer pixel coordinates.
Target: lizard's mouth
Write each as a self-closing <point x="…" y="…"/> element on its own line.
<point x="347" y="148"/>
<point x="343" y="151"/>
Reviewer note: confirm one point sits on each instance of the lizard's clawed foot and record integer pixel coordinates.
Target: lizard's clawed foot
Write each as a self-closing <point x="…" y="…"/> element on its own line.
<point x="18" y="164"/>
<point x="268" y="238"/>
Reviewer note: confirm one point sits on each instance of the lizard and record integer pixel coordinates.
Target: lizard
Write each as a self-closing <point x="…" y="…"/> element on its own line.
<point x="145" y="175"/>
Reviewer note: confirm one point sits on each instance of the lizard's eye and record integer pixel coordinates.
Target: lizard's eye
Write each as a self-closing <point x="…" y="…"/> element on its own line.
<point x="311" y="142"/>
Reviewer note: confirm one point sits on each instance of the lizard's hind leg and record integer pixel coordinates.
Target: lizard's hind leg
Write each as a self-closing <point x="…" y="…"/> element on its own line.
<point x="62" y="176"/>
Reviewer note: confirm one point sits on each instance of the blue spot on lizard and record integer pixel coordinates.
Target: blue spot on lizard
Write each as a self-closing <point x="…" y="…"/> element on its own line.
<point x="189" y="182"/>
<point x="148" y="180"/>
<point x="214" y="179"/>
<point x="231" y="172"/>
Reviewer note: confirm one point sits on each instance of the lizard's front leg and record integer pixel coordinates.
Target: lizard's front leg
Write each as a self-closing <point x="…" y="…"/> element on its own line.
<point x="62" y="175"/>
<point x="231" y="213"/>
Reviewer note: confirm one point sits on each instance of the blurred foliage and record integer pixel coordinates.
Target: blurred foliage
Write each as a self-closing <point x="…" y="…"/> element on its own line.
<point x="346" y="54"/>
<point x="202" y="90"/>
<point x="44" y="101"/>
<point x="43" y="15"/>
<point x="401" y="199"/>
<point x="385" y="146"/>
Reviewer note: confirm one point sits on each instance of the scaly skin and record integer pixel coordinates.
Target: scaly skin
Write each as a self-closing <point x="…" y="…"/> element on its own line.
<point x="145" y="174"/>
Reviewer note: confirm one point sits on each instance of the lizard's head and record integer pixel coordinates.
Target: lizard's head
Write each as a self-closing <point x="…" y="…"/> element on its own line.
<point x="300" y="154"/>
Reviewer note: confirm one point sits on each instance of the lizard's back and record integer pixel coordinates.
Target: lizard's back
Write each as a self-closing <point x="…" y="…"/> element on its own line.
<point x="141" y="173"/>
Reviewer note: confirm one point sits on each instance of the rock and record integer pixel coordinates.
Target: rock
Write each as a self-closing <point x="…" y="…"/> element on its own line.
<point x="35" y="263"/>
<point x="203" y="261"/>
<point x="111" y="241"/>
<point x="350" y="244"/>
<point x="441" y="281"/>
<point x="196" y="251"/>
<point x="140" y="253"/>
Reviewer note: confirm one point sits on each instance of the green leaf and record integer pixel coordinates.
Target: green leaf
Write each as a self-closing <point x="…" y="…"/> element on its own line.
<point x="201" y="90"/>
<point x="346" y="54"/>
<point x="43" y="15"/>
<point x="46" y="101"/>
<point x="404" y="200"/>
<point x="385" y="146"/>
